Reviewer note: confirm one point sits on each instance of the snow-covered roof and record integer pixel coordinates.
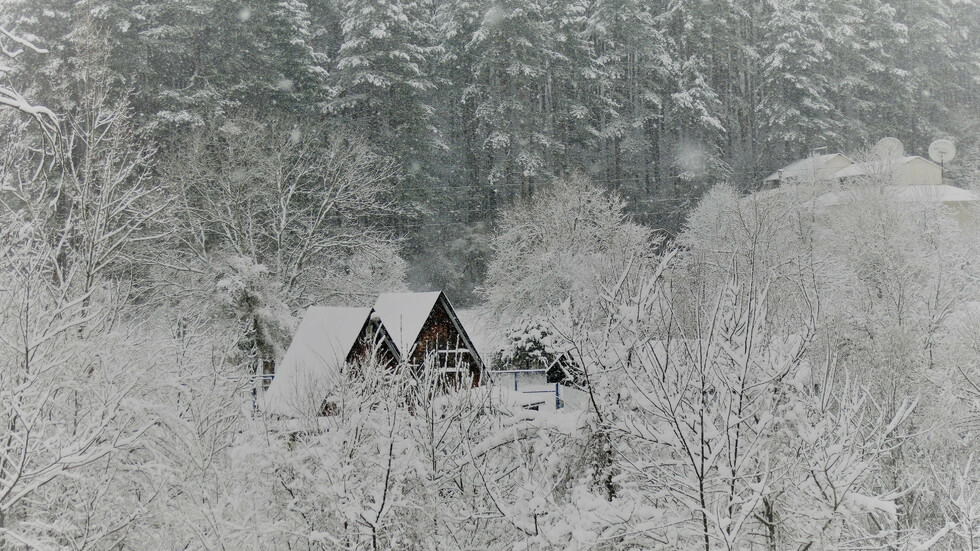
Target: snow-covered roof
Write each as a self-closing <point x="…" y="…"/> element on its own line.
<point x="911" y="194"/>
<point x="877" y="166"/>
<point x="311" y="366"/>
<point x="943" y="193"/>
<point x="404" y="314"/>
<point x="810" y="167"/>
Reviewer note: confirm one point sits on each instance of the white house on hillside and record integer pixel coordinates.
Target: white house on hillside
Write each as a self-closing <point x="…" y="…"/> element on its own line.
<point x="904" y="179"/>
<point x="897" y="171"/>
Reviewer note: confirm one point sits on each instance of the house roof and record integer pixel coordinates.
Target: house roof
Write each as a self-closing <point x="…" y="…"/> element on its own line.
<point x="311" y="366"/>
<point x="804" y="167"/>
<point x="404" y="315"/>
<point x="910" y="194"/>
<point x="876" y="166"/>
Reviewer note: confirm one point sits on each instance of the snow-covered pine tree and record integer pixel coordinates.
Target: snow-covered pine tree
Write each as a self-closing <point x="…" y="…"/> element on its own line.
<point x="514" y="49"/>
<point x="180" y="62"/>
<point x="628" y="96"/>
<point x="693" y="114"/>
<point x="382" y="79"/>
<point x="795" y="108"/>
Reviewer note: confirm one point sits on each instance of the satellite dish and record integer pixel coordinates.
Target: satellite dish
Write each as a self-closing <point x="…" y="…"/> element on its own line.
<point x="889" y="147"/>
<point x="942" y="151"/>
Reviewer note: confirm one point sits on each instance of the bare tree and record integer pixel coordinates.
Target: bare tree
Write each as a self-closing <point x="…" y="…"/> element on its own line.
<point x="565" y="244"/>
<point x="69" y="410"/>
<point x="720" y="420"/>
<point x="65" y="407"/>
<point x="281" y="217"/>
<point x="288" y="198"/>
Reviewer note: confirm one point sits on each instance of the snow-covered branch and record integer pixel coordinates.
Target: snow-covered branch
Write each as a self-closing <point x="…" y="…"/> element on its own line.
<point x="10" y="96"/>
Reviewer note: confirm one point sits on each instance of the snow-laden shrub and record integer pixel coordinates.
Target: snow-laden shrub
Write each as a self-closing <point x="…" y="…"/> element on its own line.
<point x="531" y="344"/>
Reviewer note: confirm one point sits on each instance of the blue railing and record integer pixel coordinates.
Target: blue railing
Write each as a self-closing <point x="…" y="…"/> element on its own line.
<point x="517" y="372"/>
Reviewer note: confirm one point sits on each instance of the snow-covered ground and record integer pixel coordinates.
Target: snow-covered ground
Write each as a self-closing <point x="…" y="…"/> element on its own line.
<point x="542" y="397"/>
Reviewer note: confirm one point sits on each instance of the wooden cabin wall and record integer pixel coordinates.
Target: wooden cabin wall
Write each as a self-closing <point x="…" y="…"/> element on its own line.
<point x="373" y="346"/>
<point x="439" y="333"/>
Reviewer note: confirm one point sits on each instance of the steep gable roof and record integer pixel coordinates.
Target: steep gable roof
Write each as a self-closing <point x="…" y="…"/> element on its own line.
<point x="404" y="315"/>
<point x="312" y="364"/>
